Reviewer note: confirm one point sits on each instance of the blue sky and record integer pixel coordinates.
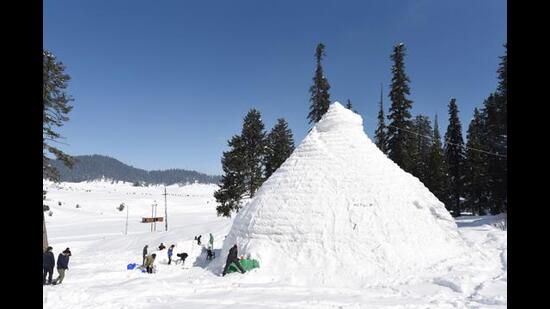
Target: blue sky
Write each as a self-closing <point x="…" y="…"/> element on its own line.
<point x="165" y="84"/>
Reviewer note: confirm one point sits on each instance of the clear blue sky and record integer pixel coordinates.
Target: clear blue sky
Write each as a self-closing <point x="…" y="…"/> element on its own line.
<point x="165" y="84"/>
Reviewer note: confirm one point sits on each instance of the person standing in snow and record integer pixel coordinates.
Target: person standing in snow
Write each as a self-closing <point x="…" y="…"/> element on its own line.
<point x="211" y="242"/>
<point x="48" y="263"/>
<point x="232" y="257"/>
<point x="170" y="250"/>
<point x="62" y="265"/>
<point x="144" y="254"/>
<point x="198" y="239"/>
<point x="149" y="261"/>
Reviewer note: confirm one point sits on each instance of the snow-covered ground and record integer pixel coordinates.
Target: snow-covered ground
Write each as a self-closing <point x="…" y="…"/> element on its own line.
<point x="98" y="278"/>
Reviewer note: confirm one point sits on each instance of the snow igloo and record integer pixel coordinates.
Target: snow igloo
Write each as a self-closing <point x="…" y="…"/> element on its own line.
<point x="339" y="212"/>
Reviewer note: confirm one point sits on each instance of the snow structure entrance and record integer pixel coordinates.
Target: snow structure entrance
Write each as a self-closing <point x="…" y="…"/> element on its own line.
<point x="339" y="212"/>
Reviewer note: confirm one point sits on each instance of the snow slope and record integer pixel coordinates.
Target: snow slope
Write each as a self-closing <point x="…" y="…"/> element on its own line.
<point x="338" y="212"/>
<point x="98" y="278"/>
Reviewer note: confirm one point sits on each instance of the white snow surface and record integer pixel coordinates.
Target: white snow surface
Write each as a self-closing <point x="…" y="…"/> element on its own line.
<point x="338" y="212"/>
<point x="98" y="278"/>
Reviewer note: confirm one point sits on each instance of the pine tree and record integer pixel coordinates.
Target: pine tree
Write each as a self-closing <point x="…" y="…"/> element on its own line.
<point x="400" y="116"/>
<point x="232" y="187"/>
<point x="475" y="167"/>
<point x="498" y="131"/>
<point x="55" y="109"/>
<point x="422" y="148"/>
<point x="436" y="179"/>
<point x="242" y="165"/>
<point x="380" y="133"/>
<point x="253" y="136"/>
<point x="280" y="145"/>
<point x="320" y="97"/>
<point x="495" y="132"/>
<point x="454" y="157"/>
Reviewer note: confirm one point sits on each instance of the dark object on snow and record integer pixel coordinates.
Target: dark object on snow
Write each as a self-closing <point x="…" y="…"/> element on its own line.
<point x="182" y="256"/>
<point x="48" y="263"/>
<point x="198" y="239"/>
<point x="210" y="254"/>
<point x="232" y="258"/>
<point x="162" y="246"/>
<point x="144" y="254"/>
<point x="45" y="207"/>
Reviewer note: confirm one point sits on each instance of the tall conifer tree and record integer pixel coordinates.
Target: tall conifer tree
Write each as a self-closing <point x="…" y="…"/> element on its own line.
<point x="253" y="136"/>
<point x="422" y="148"/>
<point x="454" y="157"/>
<point x="55" y="109"/>
<point x="399" y="112"/>
<point x="381" y="130"/>
<point x="475" y="167"/>
<point x="436" y="178"/>
<point x="320" y="97"/>
<point x="232" y="186"/>
<point x="280" y="145"/>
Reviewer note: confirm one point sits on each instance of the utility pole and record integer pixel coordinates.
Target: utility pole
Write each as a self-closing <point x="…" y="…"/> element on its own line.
<point x="155" y="215"/>
<point x="165" y="211"/>
<point x="152" y="215"/>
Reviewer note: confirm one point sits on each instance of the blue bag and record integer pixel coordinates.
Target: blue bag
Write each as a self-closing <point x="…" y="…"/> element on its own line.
<point x="131" y="266"/>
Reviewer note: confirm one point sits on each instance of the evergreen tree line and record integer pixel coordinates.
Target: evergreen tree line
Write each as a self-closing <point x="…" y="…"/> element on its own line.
<point x="469" y="177"/>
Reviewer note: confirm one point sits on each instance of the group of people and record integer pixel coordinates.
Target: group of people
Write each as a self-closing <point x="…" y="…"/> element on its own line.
<point x="149" y="260"/>
<point x="48" y="264"/>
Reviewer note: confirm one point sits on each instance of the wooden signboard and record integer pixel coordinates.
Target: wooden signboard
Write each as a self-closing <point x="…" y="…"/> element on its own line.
<point x="151" y="220"/>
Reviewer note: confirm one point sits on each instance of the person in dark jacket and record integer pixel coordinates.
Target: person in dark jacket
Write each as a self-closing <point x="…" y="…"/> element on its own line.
<point x="62" y="265"/>
<point x="170" y="250"/>
<point x="182" y="256"/>
<point x="162" y="246"/>
<point x="232" y="258"/>
<point x="144" y="254"/>
<point x="48" y="263"/>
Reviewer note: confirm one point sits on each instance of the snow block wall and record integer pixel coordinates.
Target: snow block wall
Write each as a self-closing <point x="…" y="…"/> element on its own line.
<point x="338" y="212"/>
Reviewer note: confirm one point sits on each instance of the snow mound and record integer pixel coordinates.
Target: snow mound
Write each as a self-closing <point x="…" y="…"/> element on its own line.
<point x="338" y="212"/>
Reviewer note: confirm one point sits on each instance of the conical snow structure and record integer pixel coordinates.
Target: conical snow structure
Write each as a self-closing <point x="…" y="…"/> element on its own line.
<point x="339" y="212"/>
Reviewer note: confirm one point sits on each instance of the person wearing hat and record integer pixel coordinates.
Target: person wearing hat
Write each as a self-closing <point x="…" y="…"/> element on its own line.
<point x="62" y="265"/>
<point x="149" y="262"/>
<point x="48" y="263"/>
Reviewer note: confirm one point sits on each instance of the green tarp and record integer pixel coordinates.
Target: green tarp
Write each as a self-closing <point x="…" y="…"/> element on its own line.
<point x="245" y="263"/>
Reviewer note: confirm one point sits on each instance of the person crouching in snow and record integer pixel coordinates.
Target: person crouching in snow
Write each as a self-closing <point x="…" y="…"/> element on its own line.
<point x="149" y="261"/>
<point x="62" y="265"/>
<point x="182" y="257"/>
<point x="48" y="263"/>
<point x="162" y="246"/>
<point x="170" y="250"/>
<point x="232" y="257"/>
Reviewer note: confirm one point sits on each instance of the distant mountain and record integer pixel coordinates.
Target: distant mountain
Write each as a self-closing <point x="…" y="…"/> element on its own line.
<point x="97" y="166"/>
